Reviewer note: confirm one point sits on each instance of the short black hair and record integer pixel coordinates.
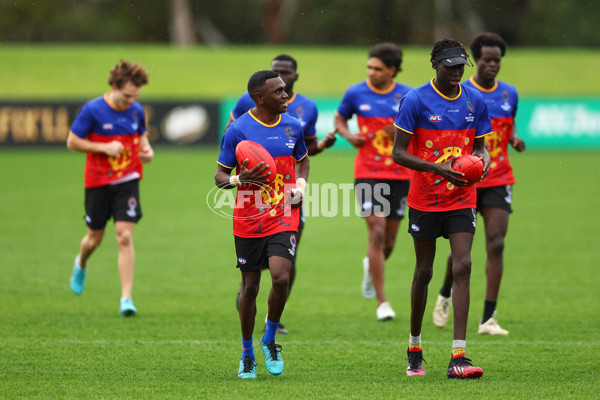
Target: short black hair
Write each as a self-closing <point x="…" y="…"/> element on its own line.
<point x="446" y="44"/>
<point x="487" y="39"/>
<point x="285" y="57"/>
<point x="258" y="79"/>
<point x="389" y="54"/>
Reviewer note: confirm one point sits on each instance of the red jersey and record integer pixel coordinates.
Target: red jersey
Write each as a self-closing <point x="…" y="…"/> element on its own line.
<point x="100" y="121"/>
<point x="501" y="101"/>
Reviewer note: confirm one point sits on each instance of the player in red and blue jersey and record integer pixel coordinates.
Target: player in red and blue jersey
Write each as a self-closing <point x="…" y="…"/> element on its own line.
<point x="494" y="193"/>
<point x="264" y="224"/>
<point x="304" y="110"/>
<point x="436" y="123"/>
<point x="111" y="129"/>
<point x="381" y="185"/>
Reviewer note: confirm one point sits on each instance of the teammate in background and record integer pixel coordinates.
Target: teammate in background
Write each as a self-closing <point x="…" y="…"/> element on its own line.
<point x="494" y="194"/>
<point x="304" y="110"/>
<point x="264" y="228"/>
<point x="381" y="186"/>
<point x="442" y="120"/>
<point x="111" y="129"/>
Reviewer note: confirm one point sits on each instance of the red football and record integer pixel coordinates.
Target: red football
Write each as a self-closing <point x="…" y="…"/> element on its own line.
<point x="255" y="153"/>
<point x="469" y="165"/>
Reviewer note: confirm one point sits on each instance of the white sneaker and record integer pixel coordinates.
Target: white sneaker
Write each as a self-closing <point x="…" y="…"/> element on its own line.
<point x="441" y="311"/>
<point x="491" y="327"/>
<point x="385" y="312"/>
<point x="368" y="290"/>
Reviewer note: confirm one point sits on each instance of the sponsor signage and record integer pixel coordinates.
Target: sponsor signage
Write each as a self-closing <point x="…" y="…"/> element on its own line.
<point x="48" y="123"/>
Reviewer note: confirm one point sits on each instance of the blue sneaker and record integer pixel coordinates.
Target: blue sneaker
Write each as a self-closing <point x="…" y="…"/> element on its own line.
<point x="247" y="368"/>
<point x="127" y="308"/>
<point x="273" y="360"/>
<point x="78" y="277"/>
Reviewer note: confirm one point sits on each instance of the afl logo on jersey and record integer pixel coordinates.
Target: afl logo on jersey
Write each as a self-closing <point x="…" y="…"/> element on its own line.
<point x="107" y="126"/>
<point x="435" y="118"/>
<point x="364" y="107"/>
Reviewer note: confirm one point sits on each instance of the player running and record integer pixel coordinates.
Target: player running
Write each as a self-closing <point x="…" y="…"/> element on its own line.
<point x="494" y="193"/>
<point x="441" y="120"/>
<point x="111" y="129"/>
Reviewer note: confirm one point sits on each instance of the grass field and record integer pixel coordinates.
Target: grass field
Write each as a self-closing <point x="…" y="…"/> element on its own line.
<point x="78" y="72"/>
<point x="185" y="341"/>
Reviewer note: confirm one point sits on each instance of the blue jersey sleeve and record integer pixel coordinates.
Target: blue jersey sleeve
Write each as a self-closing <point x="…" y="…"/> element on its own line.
<point x="244" y="104"/>
<point x="300" y="150"/>
<point x="408" y="113"/>
<point x="310" y="130"/>
<point x="228" y="144"/>
<point x="142" y="129"/>
<point x="84" y="122"/>
<point x="346" y="108"/>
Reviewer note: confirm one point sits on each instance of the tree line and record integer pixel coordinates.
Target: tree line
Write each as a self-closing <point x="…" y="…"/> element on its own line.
<point x="302" y="22"/>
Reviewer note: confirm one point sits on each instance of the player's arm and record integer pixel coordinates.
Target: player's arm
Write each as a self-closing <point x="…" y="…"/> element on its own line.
<point x="76" y="143"/>
<point x="341" y="127"/>
<point x="401" y="156"/>
<point x="315" y="146"/>
<point x="480" y="150"/>
<point x="516" y="142"/>
<point x="146" y="152"/>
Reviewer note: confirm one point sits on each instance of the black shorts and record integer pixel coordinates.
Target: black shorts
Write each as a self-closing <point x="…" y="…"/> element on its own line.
<point x="253" y="253"/>
<point x="424" y="225"/>
<point x="385" y="197"/>
<point x="121" y="202"/>
<point x="495" y="196"/>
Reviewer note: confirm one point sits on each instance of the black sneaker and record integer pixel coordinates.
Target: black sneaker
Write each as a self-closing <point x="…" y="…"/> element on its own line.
<point x="462" y="367"/>
<point x="415" y="362"/>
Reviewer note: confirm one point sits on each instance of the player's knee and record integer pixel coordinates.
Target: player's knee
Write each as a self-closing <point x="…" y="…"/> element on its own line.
<point x="93" y="241"/>
<point x="377" y="235"/>
<point x="281" y="283"/>
<point x="423" y="275"/>
<point x="124" y="238"/>
<point x="250" y="291"/>
<point x="495" y="247"/>
<point x="461" y="269"/>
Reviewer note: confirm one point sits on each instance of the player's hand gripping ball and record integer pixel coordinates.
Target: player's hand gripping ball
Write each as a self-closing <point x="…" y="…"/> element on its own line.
<point x="255" y="153"/>
<point x="469" y="165"/>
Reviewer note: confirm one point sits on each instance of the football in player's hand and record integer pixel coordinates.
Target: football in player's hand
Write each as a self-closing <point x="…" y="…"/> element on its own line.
<point x="255" y="153"/>
<point x="469" y="165"/>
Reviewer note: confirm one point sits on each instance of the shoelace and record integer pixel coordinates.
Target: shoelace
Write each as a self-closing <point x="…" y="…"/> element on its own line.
<point x="415" y="359"/>
<point x="462" y="361"/>
<point x="274" y="348"/>
<point x="249" y="363"/>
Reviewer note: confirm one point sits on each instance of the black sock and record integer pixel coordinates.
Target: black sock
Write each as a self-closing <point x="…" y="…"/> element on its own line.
<point x="446" y="291"/>
<point x="488" y="310"/>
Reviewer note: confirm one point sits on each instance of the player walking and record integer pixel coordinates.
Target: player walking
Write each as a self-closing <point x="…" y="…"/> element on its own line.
<point x="441" y="120"/>
<point x="494" y="193"/>
<point x="264" y="228"/>
<point x="381" y="185"/>
<point x="304" y="110"/>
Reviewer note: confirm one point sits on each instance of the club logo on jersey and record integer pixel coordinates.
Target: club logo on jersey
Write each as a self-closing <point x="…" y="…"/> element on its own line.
<point x="299" y="112"/>
<point x="107" y="126"/>
<point x="415" y="227"/>
<point x="132" y="203"/>
<point x="469" y="106"/>
<point x="289" y="132"/>
<point x="242" y="261"/>
<point x="364" y="107"/>
<point x="435" y="118"/>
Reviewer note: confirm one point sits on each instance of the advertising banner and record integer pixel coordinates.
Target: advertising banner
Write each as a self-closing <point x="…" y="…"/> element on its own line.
<point x="48" y="123"/>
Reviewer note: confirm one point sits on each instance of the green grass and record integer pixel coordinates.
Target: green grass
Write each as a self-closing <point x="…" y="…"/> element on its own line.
<point x="185" y="342"/>
<point x="37" y="72"/>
